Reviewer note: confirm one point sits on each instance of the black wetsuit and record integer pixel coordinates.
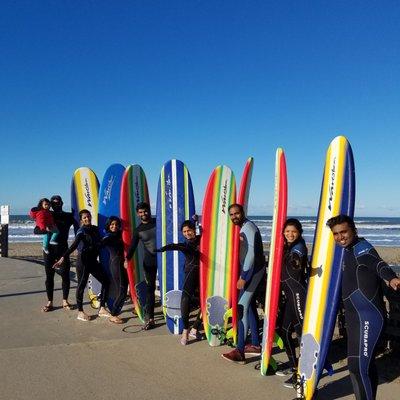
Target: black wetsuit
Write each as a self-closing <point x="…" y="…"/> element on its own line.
<point x="87" y="241"/>
<point x="363" y="271"/>
<point x="293" y="296"/>
<point x="190" y="249"/>
<point x="115" y="246"/>
<point x="146" y="233"/>
<point x="64" y="221"/>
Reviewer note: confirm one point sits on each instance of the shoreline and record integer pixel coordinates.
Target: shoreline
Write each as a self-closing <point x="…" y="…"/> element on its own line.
<point x="33" y="252"/>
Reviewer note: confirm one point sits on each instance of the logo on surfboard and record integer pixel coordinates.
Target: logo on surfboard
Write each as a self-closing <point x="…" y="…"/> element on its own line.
<point x="333" y="177"/>
<point x="87" y="193"/>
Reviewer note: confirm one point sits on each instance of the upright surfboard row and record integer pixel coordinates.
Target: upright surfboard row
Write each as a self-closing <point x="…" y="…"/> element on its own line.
<point x="219" y="247"/>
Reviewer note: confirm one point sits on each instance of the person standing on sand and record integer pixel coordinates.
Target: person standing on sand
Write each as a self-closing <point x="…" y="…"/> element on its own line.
<point x="64" y="221"/>
<point x="363" y="273"/>
<point x="190" y="248"/>
<point x="252" y="268"/>
<point x="87" y="241"/>
<point x="146" y="233"/>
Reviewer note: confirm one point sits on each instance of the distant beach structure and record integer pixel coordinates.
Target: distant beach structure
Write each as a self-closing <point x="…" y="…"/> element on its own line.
<point x="380" y="231"/>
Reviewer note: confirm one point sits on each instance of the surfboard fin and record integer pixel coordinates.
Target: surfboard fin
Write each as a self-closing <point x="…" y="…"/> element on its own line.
<point x="278" y="341"/>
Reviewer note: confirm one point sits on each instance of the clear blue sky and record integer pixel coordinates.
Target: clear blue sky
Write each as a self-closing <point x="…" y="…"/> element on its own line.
<point x="90" y="83"/>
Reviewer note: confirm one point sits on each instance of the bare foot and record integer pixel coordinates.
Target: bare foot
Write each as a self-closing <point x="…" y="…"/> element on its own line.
<point x="48" y="307"/>
<point x="83" y="317"/>
<point x="104" y="313"/>
<point x="116" y="320"/>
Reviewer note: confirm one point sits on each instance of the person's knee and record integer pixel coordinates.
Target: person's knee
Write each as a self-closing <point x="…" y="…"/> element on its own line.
<point x="240" y="311"/>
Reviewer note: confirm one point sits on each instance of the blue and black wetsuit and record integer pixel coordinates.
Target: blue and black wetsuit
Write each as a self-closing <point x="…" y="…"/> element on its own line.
<point x="190" y="249"/>
<point x="115" y="246"/>
<point x="293" y="295"/>
<point x="363" y="271"/>
<point x="146" y="233"/>
<point x="252" y="268"/>
<point x="87" y="241"/>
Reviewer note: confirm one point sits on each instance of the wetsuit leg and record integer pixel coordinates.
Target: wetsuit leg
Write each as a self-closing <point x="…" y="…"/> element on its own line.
<point x="364" y="327"/>
<point x="245" y="297"/>
<point x="66" y="281"/>
<point x="150" y="272"/>
<point x="48" y="267"/>
<point x="123" y="287"/>
<point x="287" y="328"/>
<point x="190" y="284"/>
<point x="82" y="273"/>
<point x="98" y="272"/>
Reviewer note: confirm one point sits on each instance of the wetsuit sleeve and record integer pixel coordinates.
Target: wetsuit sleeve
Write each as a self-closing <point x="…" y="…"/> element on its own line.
<point x="133" y="246"/>
<point x="74" y="223"/>
<point x="247" y="255"/>
<point x="74" y="245"/>
<point x="377" y="265"/>
<point x="295" y="260"/>
<point x="183" y="247"/>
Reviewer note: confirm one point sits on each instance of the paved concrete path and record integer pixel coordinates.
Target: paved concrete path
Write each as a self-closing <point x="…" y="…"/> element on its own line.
<point x="54" y="356"/>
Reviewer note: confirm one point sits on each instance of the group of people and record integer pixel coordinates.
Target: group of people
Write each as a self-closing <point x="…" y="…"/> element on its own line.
<point x="363" y="273"/>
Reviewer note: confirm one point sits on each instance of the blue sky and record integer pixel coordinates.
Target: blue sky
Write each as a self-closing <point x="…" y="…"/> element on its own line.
<point x="90" y="83"/>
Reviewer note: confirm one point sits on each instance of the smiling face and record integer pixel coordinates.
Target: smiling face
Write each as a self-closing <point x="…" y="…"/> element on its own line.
<point x="114" y="226"/>
<point x="86" y="219"/>
<point x="188" y="233"/>
<point x="236" y="215"/>
<point x="144" y="215"/>
<point x="45" y="205"/>
<point x="343" y="234"/>
<point x="291" y="233"/>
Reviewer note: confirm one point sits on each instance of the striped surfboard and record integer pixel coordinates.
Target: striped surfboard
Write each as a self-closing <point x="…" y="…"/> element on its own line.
<point x="337" y="197"/>
<point x="85" y="195"/>
<point x="217" y="252"/>
<point x="275" y="260"/>
<point x="175" y="204"/>
<point x="133" y="191"/>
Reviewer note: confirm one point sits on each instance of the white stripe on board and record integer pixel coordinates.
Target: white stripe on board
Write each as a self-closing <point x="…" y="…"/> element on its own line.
<point x="175" y="230"/>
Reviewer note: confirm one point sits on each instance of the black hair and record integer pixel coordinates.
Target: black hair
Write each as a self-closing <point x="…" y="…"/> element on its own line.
<point x="84" y="211"/>
<point x="293" y="222"/>
<point x="190" y="224"/>
<point x="143" y="206"/>
<point x="110" y="220"/>
<point x="56" y="198"/>
<point x="341" y="219"/>
<point x="41" y="201"/>
<point x="239" y="206"/>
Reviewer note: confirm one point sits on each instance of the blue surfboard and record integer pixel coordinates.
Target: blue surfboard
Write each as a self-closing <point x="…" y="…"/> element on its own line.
<point x="175" y="204"/>
<point x="109" y="205"/>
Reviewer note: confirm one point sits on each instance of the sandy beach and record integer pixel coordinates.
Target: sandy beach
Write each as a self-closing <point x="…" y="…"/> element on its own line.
<point x="42" y="347"/>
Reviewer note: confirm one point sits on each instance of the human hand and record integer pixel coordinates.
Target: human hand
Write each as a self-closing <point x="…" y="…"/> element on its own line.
<point x="395" y="283"/>
<point x="240" y="283"/>
<point x="58" y="263"/>
<point x="126" y="264"/>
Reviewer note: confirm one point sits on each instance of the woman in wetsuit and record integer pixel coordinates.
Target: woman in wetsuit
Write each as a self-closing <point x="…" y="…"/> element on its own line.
<point x="87" y="241"/>
<point x="115" y="246"/>
<point x="293" y="290"/>
<point x="190" y="248"/>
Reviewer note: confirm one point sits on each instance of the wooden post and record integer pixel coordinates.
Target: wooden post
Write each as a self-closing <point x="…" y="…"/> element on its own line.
<point x="5" y="218"/>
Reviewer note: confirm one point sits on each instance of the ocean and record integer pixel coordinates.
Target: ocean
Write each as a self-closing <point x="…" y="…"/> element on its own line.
<point x="378" y="231"/>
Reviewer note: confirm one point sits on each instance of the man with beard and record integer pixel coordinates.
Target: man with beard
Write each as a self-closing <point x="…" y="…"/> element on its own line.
<point x="363" y="273"/>
<point x="146" y="233"/>
<point x="252" y="268"/>
<point x="64" y="221"/>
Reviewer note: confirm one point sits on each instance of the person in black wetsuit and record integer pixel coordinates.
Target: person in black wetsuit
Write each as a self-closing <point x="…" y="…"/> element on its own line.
<point x="363" y="273"/>
<point x="64" y="221"/>
<point x="293" y="292"/>
<point x="112" y="241"/>
<point x="190" y="248"/>
<point x="146" y="233"/>
<point x="87" y="241"/>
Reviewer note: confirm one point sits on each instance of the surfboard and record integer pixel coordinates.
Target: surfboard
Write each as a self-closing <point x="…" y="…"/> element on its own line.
<point x="242" y="199"/>
<point x="217" y="252"/>
<point x="85" y="195"/>
<point x="109" y="205"/>
<point x="275" y="260"/>
<point x="337" y="197"/>
<point x="133" y="191"/>
<point x="175" y="204"/>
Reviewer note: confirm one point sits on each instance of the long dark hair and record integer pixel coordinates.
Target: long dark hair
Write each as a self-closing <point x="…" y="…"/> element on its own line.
<point x="110" y="220"/>
<point x="41" y="202"/>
